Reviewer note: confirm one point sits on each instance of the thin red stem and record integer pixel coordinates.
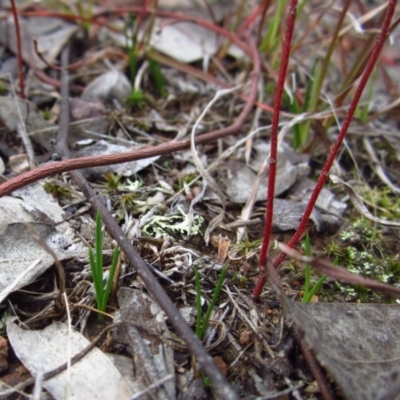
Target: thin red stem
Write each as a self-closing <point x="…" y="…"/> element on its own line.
<point x="291" y="18"/>
<point x="380" y="40"/>
<point x="19" y="49"/>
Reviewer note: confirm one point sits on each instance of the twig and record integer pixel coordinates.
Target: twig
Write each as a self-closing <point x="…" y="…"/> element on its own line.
<point x="27" y="144"/>
<point x="269" y="213"/>
<point x="154" y="385"/>
<point x="19" y="49"/>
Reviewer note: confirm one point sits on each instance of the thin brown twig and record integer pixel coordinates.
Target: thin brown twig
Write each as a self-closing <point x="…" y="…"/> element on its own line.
<point x="70" y="67"/>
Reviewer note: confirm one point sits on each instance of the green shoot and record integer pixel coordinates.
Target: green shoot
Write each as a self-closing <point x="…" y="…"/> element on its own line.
<point x="131" y="42"/>
<point x="272" y="37"/>
<point x="309" y="293"/>
<point x="136" y="99"/>
<point x="85" y="10"/>
<point x="203" y="321"/>
<point x="158" y="77"/>
<point x="96" y="266"/>
<point x="301" y="130"/>
<point x="56" y="190"/>
<point x="362" y="110"/>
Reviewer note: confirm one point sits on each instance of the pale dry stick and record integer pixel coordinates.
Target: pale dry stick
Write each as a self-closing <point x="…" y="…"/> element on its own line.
<point x="21" y="129"/>
<point x="378" y="167"/>
<point x="283" y="394"/>
<point x="203" y="171"/>
<point x="151" y="387"/>
<point x="37" y="388"/>
<point x="139" y="75"/>
<point x="357" y="23"/>
<point x="26" y="143"/>
<point x="359" y="205"/>
<point x="256" y="121"/>
<point x="241" y="353"/>
<point x="69" y="347"/>
<point x="345" y="144"/>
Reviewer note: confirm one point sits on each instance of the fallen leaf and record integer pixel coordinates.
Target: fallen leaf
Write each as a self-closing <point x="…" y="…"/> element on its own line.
<point x="93" y="377"/>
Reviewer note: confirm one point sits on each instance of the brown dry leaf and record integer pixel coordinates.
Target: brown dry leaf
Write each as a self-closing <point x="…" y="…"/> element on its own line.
<point x="356" y="343"/>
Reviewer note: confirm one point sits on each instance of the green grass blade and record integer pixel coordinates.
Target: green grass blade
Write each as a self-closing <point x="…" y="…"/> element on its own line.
<point x="99" y="247"/>
<point x="158" y="77"/>
<point x="98" y="286"/>
<point x="198" y="303"/>
<point x="316" y="287"/>
<point x="307" y="271"/>
<point x="213" y="302"/>
<point x="271" y="39"/>
<point x="110" y="279"/>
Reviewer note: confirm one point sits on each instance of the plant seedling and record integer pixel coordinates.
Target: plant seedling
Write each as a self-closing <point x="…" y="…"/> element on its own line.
<point x="309" y="293"/>
<point x="202" y="321"/>
<point x="96" y="265"/>
<point x="158" y="77"/>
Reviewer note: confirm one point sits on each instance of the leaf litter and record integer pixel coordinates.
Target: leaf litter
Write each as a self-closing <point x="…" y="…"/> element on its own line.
<point x="252" y="343"/>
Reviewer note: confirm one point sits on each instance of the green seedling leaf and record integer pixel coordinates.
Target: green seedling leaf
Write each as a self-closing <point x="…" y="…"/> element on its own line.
<point x="213" y="302"/>
<point x="202" y="323"/>
<point x="110" y="279"/>
<point x="309" y="293"/>
<point x="307" y="272"/>
<point x="96" y="266"/>
<point x="97" y="281"/>
<point x="199" y="313"/>
<point x="158" y="77"/>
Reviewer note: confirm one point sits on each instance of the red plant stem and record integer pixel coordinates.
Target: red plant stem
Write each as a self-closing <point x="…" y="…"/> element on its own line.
<point x="291" y="18"/>
<point x="380" y="41"/>
<point x="265" y="6"/>
<point x="19" y="49"/>
<point x="249" y="21"/>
